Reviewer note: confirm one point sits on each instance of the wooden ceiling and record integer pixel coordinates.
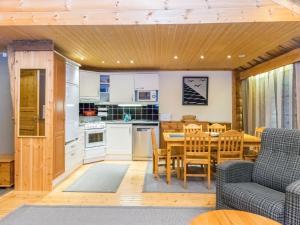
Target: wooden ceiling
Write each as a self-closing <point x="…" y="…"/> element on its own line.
<point x="141" y="34"/>
<point x="129" y="12"/>
<point x="154" y="46"/>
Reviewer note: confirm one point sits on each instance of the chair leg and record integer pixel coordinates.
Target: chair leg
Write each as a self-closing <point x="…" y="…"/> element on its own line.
<point x="184" y="175"/>
<point x="156" y="167"/>
<point x="178" y="167"/>
<point x="153" y="163"/>
<point x="208" y="176"/>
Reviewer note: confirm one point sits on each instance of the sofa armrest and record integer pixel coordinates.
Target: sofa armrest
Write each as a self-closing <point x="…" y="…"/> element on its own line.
<point x="231" y="172"/>
<point x="235" y="171"/>
<point x="292" y="204"/>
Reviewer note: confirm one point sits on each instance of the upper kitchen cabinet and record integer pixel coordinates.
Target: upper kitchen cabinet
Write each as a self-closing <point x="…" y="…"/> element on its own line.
<point x="89" y="84"/>
<point x="121" y="88"/>
<point x="72" y="73"/>
<point x="146" y="82"/>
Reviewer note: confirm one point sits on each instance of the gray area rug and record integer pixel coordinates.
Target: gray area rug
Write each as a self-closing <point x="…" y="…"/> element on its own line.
<point x="102" y="178"/>
<point x="95" y="215"/>
<point x="3" y="191"/>
<point x="194" y="184"/>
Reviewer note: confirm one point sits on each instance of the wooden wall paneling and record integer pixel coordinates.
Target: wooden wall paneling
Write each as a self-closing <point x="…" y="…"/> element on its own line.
<point x="234" y="101"/>
<point x="11" y="63"/>
<point x="59" y="115"/>
<point x="34" y="155"/>
<point x="285" y="59"/>
<point x="237" y="117"/>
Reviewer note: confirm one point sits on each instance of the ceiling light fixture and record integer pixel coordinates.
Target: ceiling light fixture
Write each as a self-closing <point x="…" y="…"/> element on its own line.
<point x="175" y="57"/>
<point x="242" y="56"/>
<point x="131" y="61"/>
<point x="202" y="57"/>
<point x="118" y="62"/>
<point x="103" y="62"/>
<point x="229" y="57"/>
<point x="81" y="58"/>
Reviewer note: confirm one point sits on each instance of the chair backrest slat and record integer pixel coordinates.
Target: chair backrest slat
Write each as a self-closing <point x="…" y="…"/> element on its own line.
<point x="230" y="145"/>
<point x="196" y="142"/>
<point x="218" y="128"/>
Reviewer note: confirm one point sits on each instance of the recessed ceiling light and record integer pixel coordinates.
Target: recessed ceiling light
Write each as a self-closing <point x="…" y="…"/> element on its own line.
<point x="81" y="58"/>
<point x="242" y="56"/>
<point x="118" y="62"/>
<point x="229" y="57"/>
<point x="202" y="57"/>
<point x="175" y="57"/>
<point x="131" y="61"/>
<point x="103" y="62"/>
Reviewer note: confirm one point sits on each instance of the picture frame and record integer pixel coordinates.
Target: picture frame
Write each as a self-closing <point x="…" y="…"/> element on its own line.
<point x="195" y="90"/>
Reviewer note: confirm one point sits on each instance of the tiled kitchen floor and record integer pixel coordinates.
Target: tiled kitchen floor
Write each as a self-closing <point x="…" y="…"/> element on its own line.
<point x="129" y="194"/>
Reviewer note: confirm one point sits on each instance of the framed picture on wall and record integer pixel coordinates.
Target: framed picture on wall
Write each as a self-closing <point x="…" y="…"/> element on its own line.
<point x="195" y="91"/>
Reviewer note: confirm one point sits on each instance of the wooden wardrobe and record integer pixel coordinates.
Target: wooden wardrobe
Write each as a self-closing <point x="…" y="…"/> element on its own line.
<point x="39" y="159"/>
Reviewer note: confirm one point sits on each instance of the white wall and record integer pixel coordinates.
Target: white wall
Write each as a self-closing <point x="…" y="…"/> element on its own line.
<point x="219" y="96"/>
<point x="6" y="125"/>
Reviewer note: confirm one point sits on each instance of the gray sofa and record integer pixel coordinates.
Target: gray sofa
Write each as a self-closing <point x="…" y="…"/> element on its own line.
<point x="269" y="187"/>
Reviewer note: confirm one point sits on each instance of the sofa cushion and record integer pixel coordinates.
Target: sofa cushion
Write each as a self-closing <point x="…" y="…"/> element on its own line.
<point x="255" y="198"/>
<point x="278" y="163"/>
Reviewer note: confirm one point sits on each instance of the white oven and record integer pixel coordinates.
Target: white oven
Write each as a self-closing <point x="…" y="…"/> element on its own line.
<point x="95" y="142"/>
<point x="146" y="96"/>
<point x="94" y="137"/>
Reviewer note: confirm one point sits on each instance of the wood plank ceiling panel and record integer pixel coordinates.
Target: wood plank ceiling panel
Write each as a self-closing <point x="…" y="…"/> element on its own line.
<point x="129" y="12"/>
<point x="154" y="46"/>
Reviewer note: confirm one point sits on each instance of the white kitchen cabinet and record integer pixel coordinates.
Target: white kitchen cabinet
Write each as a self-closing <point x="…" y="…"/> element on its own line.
<point x="119" y="141"/>
<point x="122" y="88"/>
<point x="89" y="84"/>
<point x="72" y="73"/>
<point x="74" y="151"/>
<point x="147" y="82"/>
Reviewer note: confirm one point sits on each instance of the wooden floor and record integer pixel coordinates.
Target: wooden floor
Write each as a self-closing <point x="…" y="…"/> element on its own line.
<point x="129" y="194"/>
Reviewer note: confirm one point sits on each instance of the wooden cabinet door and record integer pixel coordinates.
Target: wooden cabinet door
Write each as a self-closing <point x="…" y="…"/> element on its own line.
<point x="29" y="103"/>
<point x="59" y="116"/>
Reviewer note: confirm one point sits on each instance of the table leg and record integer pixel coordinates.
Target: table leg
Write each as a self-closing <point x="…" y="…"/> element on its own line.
<point x="168" y="163"/>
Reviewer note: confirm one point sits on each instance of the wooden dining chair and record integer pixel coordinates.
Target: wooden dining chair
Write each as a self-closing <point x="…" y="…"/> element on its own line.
<point x="259" y="131"/>
<point x="218" y="128"/>
<point x="230" y="146"/>
<point x="192" y="128"/>
<point x="161" y="155"/>
<point x="252" y="152"/>
<point x="197" y="145"/>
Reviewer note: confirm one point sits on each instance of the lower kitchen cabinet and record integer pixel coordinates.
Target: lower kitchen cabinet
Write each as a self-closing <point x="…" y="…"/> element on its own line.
<point x="119" y="141"/>
<point x="73" y="156"/>
<point x="74" y="153"/>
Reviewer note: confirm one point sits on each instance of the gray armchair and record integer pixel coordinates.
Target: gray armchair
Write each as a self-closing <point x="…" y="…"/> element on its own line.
<point x="269" y="187"/>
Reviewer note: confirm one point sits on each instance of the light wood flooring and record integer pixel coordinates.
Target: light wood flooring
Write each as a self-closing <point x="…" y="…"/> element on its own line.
<point x="128" y="194"/>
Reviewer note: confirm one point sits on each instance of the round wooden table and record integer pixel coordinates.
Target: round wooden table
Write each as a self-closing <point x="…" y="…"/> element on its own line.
<point x="231" y="217"/>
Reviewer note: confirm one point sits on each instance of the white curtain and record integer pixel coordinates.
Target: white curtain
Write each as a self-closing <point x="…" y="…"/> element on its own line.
<point x="269" y="99"/>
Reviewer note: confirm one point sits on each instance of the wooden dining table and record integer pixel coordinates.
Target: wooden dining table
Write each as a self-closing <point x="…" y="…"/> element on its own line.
<point x="177" y="140"/>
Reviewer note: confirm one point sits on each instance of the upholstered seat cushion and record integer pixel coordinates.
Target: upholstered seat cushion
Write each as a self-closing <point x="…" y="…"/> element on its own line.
<point x="255" y="198"/>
